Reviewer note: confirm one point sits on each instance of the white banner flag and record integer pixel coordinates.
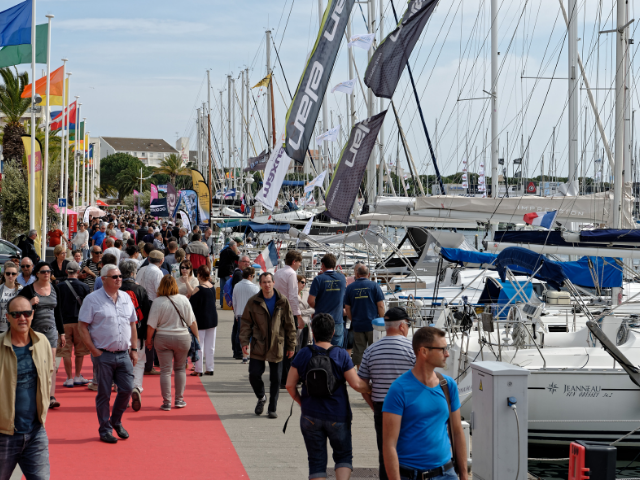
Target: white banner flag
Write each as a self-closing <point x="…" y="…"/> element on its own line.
<point x="465" y="183"/>
<point x="274" y="174"/>
<point x="316" y="182"/>
<point x="362" y="41"/>
<point x="346" y="87"/>
<point x="307" y="227"/>
<point x="330" y="135"/>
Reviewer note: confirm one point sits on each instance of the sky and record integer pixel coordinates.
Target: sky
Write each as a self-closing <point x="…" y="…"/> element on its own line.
<point x="140" y="71"/>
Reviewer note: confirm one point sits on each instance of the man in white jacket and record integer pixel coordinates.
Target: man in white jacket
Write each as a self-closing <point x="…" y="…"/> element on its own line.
<point x="242" y="292"/>
<point x="285" y="281"/>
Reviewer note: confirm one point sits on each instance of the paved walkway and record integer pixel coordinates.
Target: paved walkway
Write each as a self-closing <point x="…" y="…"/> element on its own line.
<point x="264" y="450"/>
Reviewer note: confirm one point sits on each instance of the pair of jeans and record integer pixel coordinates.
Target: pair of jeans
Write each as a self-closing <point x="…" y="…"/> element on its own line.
<point x="377" y="421"/>
<point x="235" y="338"/>
<point x="30" y="451"/>
<point x="222" y="284"/>
<point x="112" y="368"/>
<point x="256" y="369"/>
<point x="172" y="349"/>
<point x="315" y="433"/>
<point x="448" y="475"/>
<point x="338" y="335"/>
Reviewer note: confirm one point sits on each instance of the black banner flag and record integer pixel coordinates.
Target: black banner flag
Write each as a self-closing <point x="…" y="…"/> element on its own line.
<point x="389" y="59"/>
<point x="351" y="166"/>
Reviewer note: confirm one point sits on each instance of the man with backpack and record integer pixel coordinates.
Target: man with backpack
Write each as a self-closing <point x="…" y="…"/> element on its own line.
<point x="324" y="400"/>
<point x="140" y="300"/>
<point x="267" y="322"/>
<point x="72" y="293"/>
<point x="422" y="407"/>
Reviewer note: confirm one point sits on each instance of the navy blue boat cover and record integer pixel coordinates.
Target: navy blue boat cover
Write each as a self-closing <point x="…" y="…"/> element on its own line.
<point x="526" y="261"/>
<point x="464" y="257"/>
<point x="608" y="235"/>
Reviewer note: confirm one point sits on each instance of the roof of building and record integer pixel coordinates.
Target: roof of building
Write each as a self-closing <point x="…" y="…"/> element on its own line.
<point x="139" y="144"/>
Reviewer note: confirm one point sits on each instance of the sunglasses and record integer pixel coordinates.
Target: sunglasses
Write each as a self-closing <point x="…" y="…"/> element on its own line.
<point x="26" y="266"/>
<point x="96" y="253"/>
<point x="23" y="313"/>
<point x="46" y="272"/>
<point x="115" y="277"/>
<point x="184" y="268"/>
<point x="444" y="349"/>
<point x="11" y="274"/>
<point x="303" y="283"/>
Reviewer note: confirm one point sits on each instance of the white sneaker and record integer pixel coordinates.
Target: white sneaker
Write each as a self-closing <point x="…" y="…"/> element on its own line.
<point x="80" y="380"/>
<point x="68" y="383"/>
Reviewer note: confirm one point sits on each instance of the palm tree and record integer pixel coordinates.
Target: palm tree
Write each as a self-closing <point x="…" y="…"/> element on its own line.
<point x="128" y="180"/>
<point x="172" y="166"/>
<point x="13" y="107"/>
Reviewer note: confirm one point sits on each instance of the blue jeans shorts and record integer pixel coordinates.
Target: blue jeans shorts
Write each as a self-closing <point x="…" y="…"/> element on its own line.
<point x="315" y="433"/>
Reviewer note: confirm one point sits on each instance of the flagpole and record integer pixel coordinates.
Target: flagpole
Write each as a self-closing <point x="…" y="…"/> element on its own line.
<point x="32" y="163"/>
<point x="45" y="189"/>
<point x="66" y="147"/>
<point x="85" y="168"/>
<point x="64" y="95"/>
<point x="82" y="162"/>
<point x="76" y="160"/>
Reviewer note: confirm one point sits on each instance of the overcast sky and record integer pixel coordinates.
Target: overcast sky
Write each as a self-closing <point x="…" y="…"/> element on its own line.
<point x="139" y="68"/>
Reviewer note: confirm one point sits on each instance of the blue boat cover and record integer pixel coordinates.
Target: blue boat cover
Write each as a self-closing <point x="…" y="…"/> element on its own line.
<point x="464" y="257"/>
<point x="257" y="227"/>
<point x="503" y="293"/>
<point x="608" y="235"/>
<point x="528" y="262"/>
<point x="605" y="269"/>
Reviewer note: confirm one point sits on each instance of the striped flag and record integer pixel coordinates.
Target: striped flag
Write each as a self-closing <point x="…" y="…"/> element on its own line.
<point x="268" y="258"/>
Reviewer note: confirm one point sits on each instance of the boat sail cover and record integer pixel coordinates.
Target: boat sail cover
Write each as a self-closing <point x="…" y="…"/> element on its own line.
<point x="530" y="262"/>
<point x="594" y="208"/>
<point x="304" y="108"/>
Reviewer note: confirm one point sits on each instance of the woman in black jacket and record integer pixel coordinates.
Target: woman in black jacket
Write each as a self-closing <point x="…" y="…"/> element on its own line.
<point x="203" y="303"/>
<point x="43" y="296"/>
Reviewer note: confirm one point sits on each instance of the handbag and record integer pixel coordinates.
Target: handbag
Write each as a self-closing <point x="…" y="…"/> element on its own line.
<point x="194" y="349"/>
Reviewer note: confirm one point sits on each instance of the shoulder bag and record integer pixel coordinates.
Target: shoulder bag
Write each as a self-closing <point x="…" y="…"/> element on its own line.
<point x="194" y="350"/>
<point x="445" y="389"/>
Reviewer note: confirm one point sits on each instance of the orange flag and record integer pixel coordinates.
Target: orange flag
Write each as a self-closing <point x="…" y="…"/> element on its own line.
<point x="57" y="77"/>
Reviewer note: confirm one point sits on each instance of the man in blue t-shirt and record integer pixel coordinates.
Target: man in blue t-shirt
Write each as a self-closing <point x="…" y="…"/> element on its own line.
<point x="363" y="302"/>
<point x="325" y="418"/>
<point x="327" y="294"/>
<point x="415" y="412"/>
<point x="99" y="236"/>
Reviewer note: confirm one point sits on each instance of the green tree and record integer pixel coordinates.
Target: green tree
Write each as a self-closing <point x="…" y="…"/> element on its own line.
<point x="129" y="179"/>
<point x="112" y="165"/>
<point x="132" y="200"/>
<point x="13" y="107"/>
<point x="172" y="166"/>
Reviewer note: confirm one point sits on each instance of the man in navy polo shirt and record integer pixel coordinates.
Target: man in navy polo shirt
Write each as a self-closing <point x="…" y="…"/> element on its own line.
<point x="327" y="294"/>
<point x="363" y="302"/>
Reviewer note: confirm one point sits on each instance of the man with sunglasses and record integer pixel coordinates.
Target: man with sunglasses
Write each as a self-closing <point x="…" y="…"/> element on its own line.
<point x="382" y="363"/>
<point x="417" y="411"/>
<point x="26" y="276"/>
<point x="26" y="366"/>
<point x="91" y="266"/>
<point x="108" y="327"/>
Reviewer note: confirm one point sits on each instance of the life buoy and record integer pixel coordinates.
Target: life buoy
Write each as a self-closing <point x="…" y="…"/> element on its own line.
<point x="339" y="231"/>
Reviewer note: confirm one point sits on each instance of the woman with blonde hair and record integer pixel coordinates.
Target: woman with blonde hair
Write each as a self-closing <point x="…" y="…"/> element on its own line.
<point x="170" y="319"/>
<point x="175" y="267"/>
<point x="9" y="288"/>
<point x="59" y="264"/>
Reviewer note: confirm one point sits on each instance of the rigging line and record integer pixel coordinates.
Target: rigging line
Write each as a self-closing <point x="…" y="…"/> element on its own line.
<point x="190" y="121"/>
<point x="283" y="75"/>
<point x="285" y="26"/>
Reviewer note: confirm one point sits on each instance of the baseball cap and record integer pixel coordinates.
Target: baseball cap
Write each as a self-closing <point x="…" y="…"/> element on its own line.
<point x="72" y="267"/>
<point x="396" y="313"/>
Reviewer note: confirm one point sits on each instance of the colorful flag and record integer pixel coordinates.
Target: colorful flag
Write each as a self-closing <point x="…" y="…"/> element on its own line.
<point x="316" y="182"/>
<point x="19" y="54"/>
<point x="15" y="25"/>
<point x="543" y="220"/>
<point x="268" y="258"/>
<point x="345" y="87"/>
<point x="307" y="227"/>
<point x="26" y="141"/>
<point x="362" y="41"/>
<point x="230" y="193"/>
<point x="465" y="183"/>
<point x="56" y="123"/>
<point x="55" y="87"/>
<point x="56" y="100"/>
<point x="263" y="83"/>
<point x="154" y="192"/>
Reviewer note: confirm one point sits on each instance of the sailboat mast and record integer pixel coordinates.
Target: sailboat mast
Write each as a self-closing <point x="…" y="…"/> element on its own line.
<point x="371" y="166"/>
<point x="381" y="134"/>
<point x="494" y="98"/>
<point x="573" y="90"/>
<point x="619" y="116"/>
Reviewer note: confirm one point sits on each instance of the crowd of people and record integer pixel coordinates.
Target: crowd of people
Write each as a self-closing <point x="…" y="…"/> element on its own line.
<point x="135" y="294"/>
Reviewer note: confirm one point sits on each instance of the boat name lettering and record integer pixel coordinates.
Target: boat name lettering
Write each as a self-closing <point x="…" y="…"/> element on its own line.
<point x="582" y="390"/>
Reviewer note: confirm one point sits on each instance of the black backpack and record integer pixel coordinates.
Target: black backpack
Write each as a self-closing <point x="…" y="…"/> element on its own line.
<point x="320" y="380"/>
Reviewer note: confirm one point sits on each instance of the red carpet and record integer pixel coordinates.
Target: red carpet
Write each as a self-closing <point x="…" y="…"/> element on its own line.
<point x="189" y="443"/>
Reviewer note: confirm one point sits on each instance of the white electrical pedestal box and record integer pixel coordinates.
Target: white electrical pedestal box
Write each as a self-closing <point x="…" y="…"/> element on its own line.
<point x="499" y="450"/>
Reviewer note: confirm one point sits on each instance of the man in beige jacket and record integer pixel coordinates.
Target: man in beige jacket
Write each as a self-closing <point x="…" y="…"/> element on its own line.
<point x="268" y="321"/>
<point x="26" y="366"/>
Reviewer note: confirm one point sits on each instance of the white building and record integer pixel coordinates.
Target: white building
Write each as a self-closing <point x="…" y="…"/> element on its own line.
<point x="150" y="151"/>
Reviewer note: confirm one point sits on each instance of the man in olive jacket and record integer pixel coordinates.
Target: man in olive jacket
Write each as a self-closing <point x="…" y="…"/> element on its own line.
<point x="26" y="366"/>
<point x="268" y="322"/>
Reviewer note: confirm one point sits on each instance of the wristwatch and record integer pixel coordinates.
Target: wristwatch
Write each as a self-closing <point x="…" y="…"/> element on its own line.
<point x="134" y="349"/>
